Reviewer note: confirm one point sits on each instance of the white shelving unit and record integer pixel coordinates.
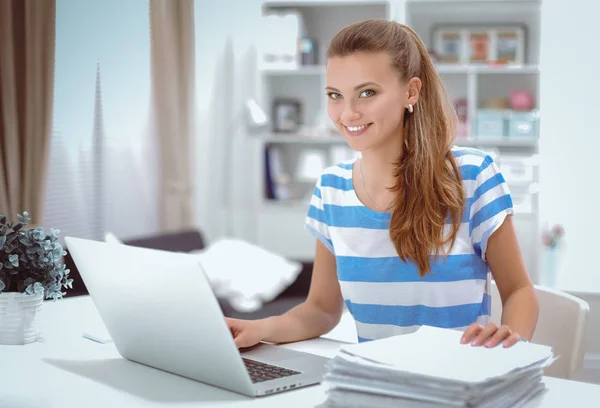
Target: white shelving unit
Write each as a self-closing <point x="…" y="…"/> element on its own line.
<point x="317" y="70"/>
<point x="280" y="223"/>
<point x="517" y="157"/>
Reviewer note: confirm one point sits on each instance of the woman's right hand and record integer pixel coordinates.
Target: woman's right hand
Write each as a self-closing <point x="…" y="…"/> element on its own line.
<point x="246" y="333"/>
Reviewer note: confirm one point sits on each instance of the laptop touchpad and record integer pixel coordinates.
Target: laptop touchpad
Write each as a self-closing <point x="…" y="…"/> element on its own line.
<point x="269" y="354"/>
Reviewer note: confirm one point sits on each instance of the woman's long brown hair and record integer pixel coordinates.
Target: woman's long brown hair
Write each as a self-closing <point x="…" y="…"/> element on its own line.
<point x="428" y="182"/>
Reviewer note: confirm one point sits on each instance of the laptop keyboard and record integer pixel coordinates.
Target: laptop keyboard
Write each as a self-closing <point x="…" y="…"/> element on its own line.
<point x="260" y="372"/>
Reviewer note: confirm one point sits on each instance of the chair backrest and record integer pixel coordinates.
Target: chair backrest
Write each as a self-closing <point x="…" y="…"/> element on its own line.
<point x="562" y="324"/>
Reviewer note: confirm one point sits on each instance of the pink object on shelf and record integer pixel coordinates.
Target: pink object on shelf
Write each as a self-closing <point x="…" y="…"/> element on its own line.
<point x="521" y="100"/>
<point x="462" y="130"/>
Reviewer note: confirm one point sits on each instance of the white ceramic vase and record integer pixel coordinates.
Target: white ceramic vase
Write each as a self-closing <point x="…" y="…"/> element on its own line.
<point x="17" y="317"/>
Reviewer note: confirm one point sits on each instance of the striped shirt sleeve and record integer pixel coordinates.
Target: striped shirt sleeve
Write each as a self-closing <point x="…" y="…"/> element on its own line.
<point x="316" y="219"/>
<point x="490" y="204"/>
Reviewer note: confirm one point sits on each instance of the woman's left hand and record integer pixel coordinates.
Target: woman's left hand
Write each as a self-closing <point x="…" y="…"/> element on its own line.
<point x="490" y="336"/>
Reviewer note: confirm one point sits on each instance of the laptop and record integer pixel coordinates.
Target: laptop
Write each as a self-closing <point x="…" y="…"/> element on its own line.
<point x="160" y="311"/>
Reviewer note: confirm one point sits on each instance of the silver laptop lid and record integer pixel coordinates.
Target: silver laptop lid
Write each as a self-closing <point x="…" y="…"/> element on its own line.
<point x="160" y="310"/>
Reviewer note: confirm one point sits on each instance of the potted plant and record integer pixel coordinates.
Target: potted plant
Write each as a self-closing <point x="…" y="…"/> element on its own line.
<point x="31" y="269"/>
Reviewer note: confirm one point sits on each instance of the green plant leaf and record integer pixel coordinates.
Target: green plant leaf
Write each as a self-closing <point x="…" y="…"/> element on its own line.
<point x="14" y="260"/>
<point x="35" y="289"/>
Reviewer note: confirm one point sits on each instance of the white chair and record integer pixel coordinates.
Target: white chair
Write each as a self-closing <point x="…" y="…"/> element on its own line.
<point x="562" y="324"/>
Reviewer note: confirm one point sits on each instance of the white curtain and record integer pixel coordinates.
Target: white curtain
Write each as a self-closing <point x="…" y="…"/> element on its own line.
<point x="226" y="75"/>
<point x="172" y="46"/>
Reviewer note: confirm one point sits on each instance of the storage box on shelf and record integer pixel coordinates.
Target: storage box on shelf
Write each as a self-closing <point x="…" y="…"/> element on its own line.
<point x="522" y="124"/>
<point x="506" y="123"/>
<point x="518" y="169"/>
<point x="490" y="123"/>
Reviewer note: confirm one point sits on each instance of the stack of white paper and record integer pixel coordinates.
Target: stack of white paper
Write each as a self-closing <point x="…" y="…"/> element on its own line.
<point x="430" y="368"/>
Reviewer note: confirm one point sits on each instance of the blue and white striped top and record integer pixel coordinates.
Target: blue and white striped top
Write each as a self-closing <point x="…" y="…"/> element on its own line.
<point x="385" y="295"/>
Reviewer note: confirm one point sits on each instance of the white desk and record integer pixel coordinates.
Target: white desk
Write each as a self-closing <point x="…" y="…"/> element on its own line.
<point x="68" y="371"/>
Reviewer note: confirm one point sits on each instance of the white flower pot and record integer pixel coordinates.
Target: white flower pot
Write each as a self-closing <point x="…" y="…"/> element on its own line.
<point x="17" y="317"/>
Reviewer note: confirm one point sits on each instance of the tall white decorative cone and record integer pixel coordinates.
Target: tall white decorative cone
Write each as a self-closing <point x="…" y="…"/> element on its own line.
<point x="17" y="317"/>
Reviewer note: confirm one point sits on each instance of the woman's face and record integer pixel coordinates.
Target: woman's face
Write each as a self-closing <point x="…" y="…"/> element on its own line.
<point x="366" y="99"/>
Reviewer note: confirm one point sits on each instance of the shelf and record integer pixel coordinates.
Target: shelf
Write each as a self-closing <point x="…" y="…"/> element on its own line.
<point x="306" y="70"/>
<point x="270" y="4"/>
<point x="497" y="142"/>
<point x="284" y="138"/>
<point x="470" y="10"/>
<point x="441" y="69"/>
<point x="487" y="69"/>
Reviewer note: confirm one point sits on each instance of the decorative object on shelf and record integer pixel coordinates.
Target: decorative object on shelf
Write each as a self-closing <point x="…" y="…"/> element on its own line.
<point x="552" y="243"/>
<point x="286" y="115"/>
<point x="310" y="166"/>
<point x="460" y="105"/>
<point x="30" y="269"/>
<point x="283" y="187"/>
<point x="479" y="50"/>
<point x="449" y="46"/>
<point x="496" y="103"/>
<point x="280" y="51"/>
<point x="307" y="49"/>
<point x="521" y="100"/>
<point x="256" y="116"/>
<point x="278" y="181"/>
<point x="493" y="44"/>
<point x="509" y="45"/>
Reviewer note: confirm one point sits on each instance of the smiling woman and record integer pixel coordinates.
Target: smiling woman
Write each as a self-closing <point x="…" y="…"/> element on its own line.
<point x="402" y="120"/>
<point x="416" y="230"/>
<point x="411" y="233"/>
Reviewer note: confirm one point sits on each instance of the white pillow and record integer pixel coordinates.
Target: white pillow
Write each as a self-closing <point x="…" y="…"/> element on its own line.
<point x="245" y="274"/>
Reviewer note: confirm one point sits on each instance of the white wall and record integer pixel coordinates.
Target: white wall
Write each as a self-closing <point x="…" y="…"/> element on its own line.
<point x="569" y="147"/>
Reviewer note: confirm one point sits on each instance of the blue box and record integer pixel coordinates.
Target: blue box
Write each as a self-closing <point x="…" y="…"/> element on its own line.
<point x="522" y="124"/>
<point x="491" y="123"/>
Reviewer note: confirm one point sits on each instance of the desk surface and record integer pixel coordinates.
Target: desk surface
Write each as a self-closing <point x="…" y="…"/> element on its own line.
<point x="66" y="370"/>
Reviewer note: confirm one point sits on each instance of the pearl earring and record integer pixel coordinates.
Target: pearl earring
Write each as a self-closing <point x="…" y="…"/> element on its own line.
<point x="410" y="108"/>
